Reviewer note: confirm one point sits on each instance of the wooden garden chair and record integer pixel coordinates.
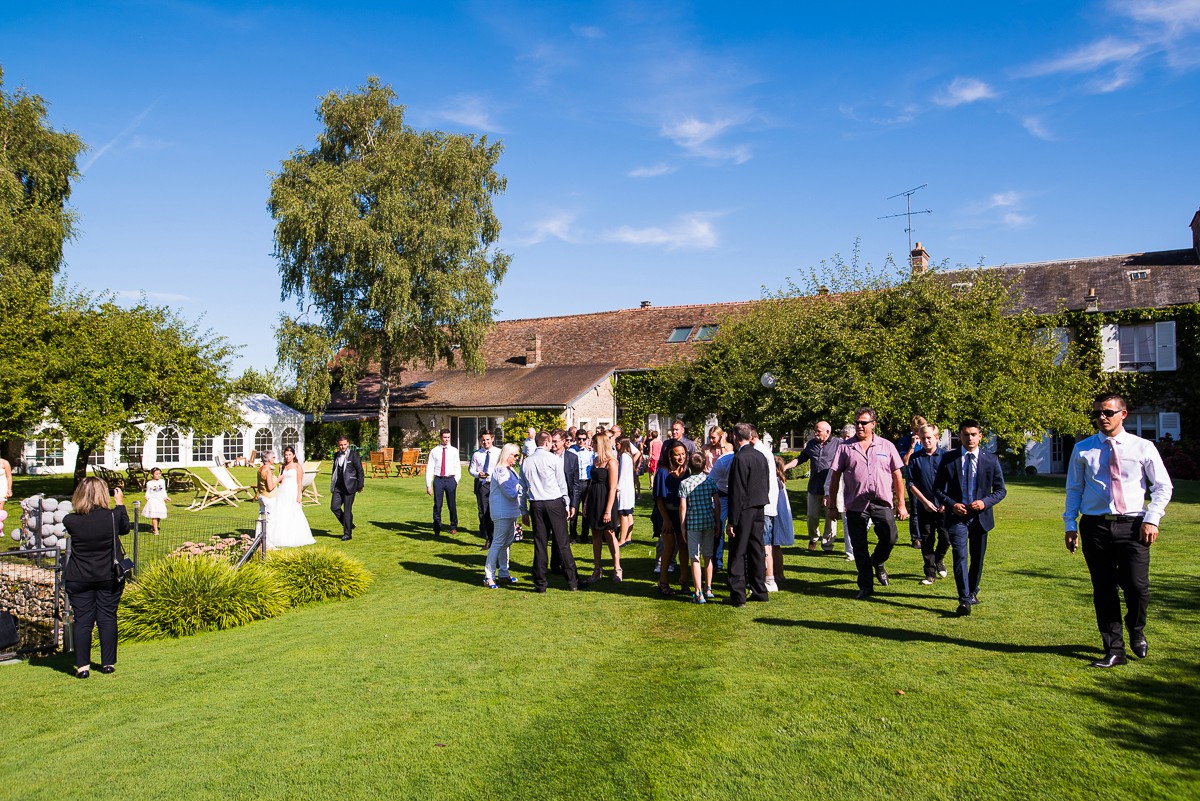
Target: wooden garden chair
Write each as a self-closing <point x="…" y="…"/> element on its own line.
<point x="178" y="480"/>
<point x="407" y="466"/>
<point x="209" y="495"/>
<point x="138" y="477"/>
<point x="309" y="486"/>
<point x="226" y="480"/>
<point x="419" y="469"/>
<point x="379" y="465"/>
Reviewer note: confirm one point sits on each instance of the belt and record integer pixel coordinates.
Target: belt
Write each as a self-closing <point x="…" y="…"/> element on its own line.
<point x="1112" y="517"/>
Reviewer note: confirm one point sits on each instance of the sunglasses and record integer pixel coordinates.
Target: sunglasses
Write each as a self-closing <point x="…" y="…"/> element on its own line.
<point x="863" y="422"/>
<point x="1107" y="414"/>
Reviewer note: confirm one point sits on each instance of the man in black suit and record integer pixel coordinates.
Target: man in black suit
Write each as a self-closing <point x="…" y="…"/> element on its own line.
<point x="749" y="492"/>
<point x="968" y="484"/>
<point x="347" y="481"/>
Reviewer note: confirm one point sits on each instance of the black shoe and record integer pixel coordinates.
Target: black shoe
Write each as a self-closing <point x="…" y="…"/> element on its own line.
<point x="1141" y="648"/>
<point x="864" y="595"/>
<point x="759" y="599"/>
<point x="733" y="603"/>
<point x="346" y="537"/>
<point x="82" y="674"/>
<point x="963" y="610"/>
<point x="108" y="669"/>
<point x="881" y="574"/>
<point x="974" y="600"/>
<point x="1110" y="660"/>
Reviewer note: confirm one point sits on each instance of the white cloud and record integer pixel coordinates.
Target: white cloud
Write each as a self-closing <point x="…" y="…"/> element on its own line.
<point x="556" y="226"/>
<point x="1037" y="128"/>
<point x="1173" y="17"/>
<point x="1016" y="220"/>
<point x="1004" y="200"/>
<point x="964" y="90"/>
<point x="116" y="140"/>
<point x="698" y="137"/>
<point x="898" y="116"/>
<point x="691" y="231"/>
<point x="653" y="171"/>
<point x="588" y="31"/>
<point x="1088" y="58"/>
<point x="156" y="297"/>
<point x="468" y="111"/>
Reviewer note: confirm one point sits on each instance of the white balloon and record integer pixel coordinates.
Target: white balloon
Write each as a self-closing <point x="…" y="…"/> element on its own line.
<point x="49" y="504"/>
<point x="65" y="506"/>
<point x="49" y="542"/>
<point x="16" y="534"/>
<point x="59" y="514"/>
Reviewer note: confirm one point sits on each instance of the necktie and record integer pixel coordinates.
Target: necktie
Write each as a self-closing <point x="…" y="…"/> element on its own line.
<point x="1114" y="478"/>
<point x="487" y="459"/>
<point x="969" y="480"/>
<point x="443" y="460"/>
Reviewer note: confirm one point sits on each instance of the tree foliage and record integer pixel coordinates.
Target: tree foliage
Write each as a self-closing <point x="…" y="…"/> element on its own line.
<point x="517" y="426"/>
<point x="943" y="345"/>
<point x="385" y="234"/>
<point x="112" y="367"/>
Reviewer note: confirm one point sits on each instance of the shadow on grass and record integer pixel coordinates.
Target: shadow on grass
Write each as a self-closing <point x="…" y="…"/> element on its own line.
<point x="1157" y="714"/>
<point x="59" y="663"/>
<point x="407" y="528"/>
<point x="1079" y="652"/>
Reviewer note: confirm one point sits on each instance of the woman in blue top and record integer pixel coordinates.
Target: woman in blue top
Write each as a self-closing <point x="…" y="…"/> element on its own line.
<point x="666" y="498"/>
<point x="505" y="506"/>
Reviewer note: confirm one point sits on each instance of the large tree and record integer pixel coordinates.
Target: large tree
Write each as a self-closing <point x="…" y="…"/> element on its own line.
<point x="113" y="367"/>
<point x="942" y="345"/>
<point x="37" y="166"/>
<point x="385" y="235"/>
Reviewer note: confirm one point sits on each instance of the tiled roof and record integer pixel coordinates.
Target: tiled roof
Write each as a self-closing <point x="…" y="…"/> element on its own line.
<point x="1171" y="277"/>
<point x="546" y="386"/>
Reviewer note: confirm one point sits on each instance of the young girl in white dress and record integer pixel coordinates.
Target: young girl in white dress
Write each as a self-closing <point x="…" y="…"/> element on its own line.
<point x="156" y="499"/>
<point x="288" y="527"/>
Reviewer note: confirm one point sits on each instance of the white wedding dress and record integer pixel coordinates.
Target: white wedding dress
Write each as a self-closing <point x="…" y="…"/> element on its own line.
<point x="287" y="527"/>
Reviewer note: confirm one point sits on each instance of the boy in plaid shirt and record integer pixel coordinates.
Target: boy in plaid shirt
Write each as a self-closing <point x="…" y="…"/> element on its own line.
<point x="699" y="506"/>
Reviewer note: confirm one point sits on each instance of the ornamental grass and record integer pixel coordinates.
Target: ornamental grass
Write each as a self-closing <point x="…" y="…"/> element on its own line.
<point x="308" y="575"/>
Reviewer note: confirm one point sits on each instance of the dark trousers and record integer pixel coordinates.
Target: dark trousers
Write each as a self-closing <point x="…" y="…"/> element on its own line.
<point x="719" y="539"/>
<point x="341" y="502"/>
<point x="934" y="542"/>
<point x="444" y="487"/>
<point x="747" y="556"/>
<point x="483" y="497"/>
<point x="549" y="520"/>
<point x="579" y="501"/>
<point x="94" y="604"/>
<point x="914" y="524"/>
<point x="969" y="540"/>
<point x="1117" y="559"/>
<point x="884" y="520"/>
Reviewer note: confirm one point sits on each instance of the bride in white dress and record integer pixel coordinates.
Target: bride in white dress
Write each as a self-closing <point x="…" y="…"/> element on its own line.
<point x="287" y="527"/>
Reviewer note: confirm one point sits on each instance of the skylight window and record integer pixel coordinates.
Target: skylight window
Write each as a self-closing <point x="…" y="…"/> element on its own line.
<point x="706" y="333"/>
<point x="1138" y="275"/>
<point x="680" y="334"/>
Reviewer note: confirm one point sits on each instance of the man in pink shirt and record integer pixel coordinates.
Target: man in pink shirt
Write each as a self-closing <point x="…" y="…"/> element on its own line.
<point x="874" y="488"/>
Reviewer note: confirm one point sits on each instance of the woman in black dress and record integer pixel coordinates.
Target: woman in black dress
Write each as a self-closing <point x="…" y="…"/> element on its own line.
<point x="91" y="588"/>
<point x="602" y="506"/>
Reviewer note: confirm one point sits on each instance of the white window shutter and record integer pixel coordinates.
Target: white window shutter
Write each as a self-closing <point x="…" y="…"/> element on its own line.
<point x="1110" y="342"/>
<point x="1164" y="345"/>
<point x="1168" y="425"/>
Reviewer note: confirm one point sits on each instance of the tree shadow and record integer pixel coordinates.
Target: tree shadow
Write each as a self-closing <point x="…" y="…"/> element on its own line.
<point x="407" y="528"/>
<point x="1079" y="652"/>
<point x="1157" y="714"/>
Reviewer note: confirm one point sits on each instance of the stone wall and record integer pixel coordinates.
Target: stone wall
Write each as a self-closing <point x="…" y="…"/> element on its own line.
<point x="27" y="591"/>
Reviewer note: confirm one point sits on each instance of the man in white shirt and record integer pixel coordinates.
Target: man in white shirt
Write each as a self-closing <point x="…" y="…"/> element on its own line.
<point x="442" y="472"/>
<point x="480" y="469"/>
<point x="530" y="444"/>
<point x="578" y="484"/>
<point x="1107" y="479"/>
<point x="546" y="503"/>
<point x="771" y="510"/>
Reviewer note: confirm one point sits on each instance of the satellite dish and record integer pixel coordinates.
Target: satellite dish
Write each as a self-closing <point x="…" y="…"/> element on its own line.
<point x="768" y="380"/>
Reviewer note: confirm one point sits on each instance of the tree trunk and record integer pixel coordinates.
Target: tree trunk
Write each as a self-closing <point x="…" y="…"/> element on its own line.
<point x="81" y="461"/>
<point x="385" y="393"/>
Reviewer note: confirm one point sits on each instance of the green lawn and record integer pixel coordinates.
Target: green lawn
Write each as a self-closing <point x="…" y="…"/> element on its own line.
<point x="431" y="686"/>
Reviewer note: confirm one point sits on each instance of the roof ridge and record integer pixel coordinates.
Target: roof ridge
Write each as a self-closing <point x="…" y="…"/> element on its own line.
<point x="1070" y="259"/>
<point x="634" y="309"/>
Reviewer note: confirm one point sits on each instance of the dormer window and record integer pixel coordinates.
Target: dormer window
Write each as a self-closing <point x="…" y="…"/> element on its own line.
<point x="680" y="334"/>
<point x="962" y="286"/>
<point x="1137" y="275"/>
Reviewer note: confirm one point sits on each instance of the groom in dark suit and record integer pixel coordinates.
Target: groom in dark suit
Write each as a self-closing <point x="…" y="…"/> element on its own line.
<point x="347" y="480"/>
<point x="969" y="482"/>
<point x="749" y="491"/>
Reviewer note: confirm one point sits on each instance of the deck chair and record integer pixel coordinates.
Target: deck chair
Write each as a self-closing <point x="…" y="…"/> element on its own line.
<point x="226" y="480"/>
<point x="379" y="465"/>
<point x="209" y="495"/>
<point x="308" y="487"/>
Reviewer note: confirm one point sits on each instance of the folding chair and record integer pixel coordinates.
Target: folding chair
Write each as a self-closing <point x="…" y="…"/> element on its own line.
<point x="208" y="495"/>
<point x="309" y="486"/>
<point x="226" y="480"/>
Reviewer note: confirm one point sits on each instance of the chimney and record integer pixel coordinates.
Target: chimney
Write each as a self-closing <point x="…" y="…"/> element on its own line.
<point x="533" y="349"/>
<point x="646" y="303"/>
<point x="918" y="259"/>
<point x="1195" y="226"/>
<point x="1091" y="303"/>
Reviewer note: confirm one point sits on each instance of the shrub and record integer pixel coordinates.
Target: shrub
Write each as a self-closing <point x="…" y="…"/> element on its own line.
<point x="317" y="574"/>
<point x="179" y="597"/>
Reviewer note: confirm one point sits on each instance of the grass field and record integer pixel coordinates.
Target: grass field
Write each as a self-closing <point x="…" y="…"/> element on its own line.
<point x="431" y="686"/>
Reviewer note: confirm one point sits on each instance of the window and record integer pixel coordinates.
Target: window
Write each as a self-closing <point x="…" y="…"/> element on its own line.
<point x="706" y="333"/>
<point x="96" y="457"/>
<point x="290" y="438"/>
<point x="1059" y="338"/>
<point x="1144" y="425"/>
<point x="1139" y="347"/>
<point x="232" y="446"/>
<point x="131" y="449"/>
<point x="46" y="451"/>
<point x="264" y="440"/>
<point x="680" y="334"/>
<point x="465" y="431"/>
<point x="167" y="445"/>
<point x="1138" y="275"/>
<point x="202" y="448"/>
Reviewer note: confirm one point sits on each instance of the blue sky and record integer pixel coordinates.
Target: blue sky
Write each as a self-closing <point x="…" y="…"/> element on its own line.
<point x="671" y="152"/>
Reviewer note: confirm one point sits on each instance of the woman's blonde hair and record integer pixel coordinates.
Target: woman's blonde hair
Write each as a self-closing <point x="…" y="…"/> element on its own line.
<point x="91" y="493"/>
<point x="603" y="448"/>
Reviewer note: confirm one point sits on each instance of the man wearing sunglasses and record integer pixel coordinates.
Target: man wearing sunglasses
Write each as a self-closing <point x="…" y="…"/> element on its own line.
<point x="874" y="493"/>
<point x="1107" y="479"/>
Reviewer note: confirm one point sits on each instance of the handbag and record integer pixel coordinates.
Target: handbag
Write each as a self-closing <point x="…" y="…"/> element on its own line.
<point x="122" y="565"/>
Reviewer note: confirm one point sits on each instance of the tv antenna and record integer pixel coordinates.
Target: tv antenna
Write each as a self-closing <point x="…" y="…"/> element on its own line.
<point x="908" y="212"/>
